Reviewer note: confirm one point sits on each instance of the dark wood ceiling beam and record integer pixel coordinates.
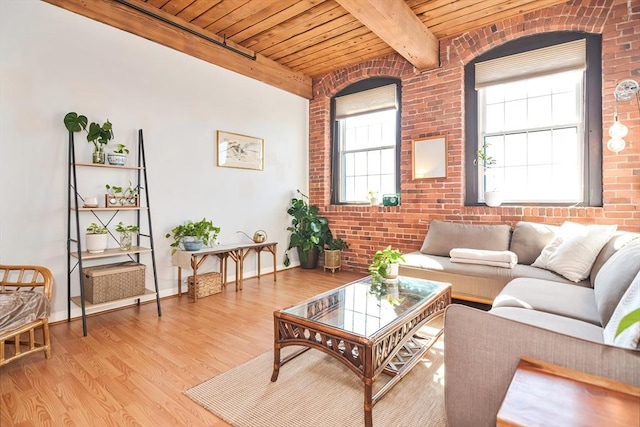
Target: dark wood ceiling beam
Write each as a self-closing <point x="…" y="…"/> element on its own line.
<point x="395" y="23"/>
<point x="136" y="22"/>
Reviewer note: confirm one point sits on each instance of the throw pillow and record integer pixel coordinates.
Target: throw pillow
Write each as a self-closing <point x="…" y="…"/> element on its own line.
<point x="528" y="240"/>
<point x="626" y="335"/>
<point x="573" y="251"/>
<point x="614" y="278"/>
<point x="444" y="236"/>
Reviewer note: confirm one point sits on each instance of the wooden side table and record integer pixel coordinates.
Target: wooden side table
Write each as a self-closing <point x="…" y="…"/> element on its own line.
<point x="245" y="249"/>
<point x="543" y="394"/>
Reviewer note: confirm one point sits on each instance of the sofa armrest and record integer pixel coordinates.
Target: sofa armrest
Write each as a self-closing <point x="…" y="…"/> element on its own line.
<point x="482" y="352"/>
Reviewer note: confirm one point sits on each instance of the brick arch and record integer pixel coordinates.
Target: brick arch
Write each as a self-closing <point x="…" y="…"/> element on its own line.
<point x="392" y="65"/>
<point x="593" y="15"/>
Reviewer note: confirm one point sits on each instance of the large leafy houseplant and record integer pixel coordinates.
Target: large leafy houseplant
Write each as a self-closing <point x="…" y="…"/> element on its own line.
<point x="309" y="230"/>
<point x="98" y="135"/>
<point x="203" y="231"/>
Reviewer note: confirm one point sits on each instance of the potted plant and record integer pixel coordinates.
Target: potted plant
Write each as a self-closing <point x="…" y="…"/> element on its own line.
<point x="309" y="232"/>
<point x="385" y="264"/>
<point x="98" y="135"/>
<point x="333" y="253"/>
<point x="96" y="238"/>
<point x="122" y="197"/>
<point x="491" y="192"/>
<point x="193" y="235"/>
<point x="118" y="157"/>
<point x="374" y="197"/>
<point x="126" y="232"/>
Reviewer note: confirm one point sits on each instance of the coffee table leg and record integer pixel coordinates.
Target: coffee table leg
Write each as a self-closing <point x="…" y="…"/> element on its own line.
<point x="276" y="363"/>
<point x="368" y="406"/>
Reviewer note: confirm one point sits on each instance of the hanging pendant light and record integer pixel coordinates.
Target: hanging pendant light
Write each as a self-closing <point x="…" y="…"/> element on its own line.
<point x="624" y="91"/>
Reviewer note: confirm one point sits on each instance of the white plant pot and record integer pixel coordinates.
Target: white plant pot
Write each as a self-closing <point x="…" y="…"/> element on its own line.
<point x="375" y="201"/>
<point x="392" y="271"/>
<point x="96" y="243"/>
<point x="492" y="198"/>
<point x="117" y="159"/>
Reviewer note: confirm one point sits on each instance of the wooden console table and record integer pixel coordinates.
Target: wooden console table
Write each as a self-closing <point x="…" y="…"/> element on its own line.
<point x="542" y="394"/>
<point x="236" y="251"/>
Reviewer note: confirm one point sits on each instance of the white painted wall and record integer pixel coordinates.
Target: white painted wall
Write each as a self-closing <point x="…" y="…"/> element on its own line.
<point x="53" y="61"/>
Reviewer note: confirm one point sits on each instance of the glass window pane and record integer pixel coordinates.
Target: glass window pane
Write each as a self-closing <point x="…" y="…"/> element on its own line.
<point x="360" y="189"/>
<point x="564" y="108"/>
<point x="515" y="114"/>
<point x="349" y="164"/>
<point x="374" y="162"/>
<point x="515" y="149"/>
<point x="539" y="146"/>
<point x="388" y="161"/>
<point x="360" y="160"/>
<point x="539" y="111"/>
<point x="494" y="118"/>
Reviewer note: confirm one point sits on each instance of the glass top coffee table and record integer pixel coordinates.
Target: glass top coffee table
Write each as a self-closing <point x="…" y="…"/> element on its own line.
<point x="370" y="327"/>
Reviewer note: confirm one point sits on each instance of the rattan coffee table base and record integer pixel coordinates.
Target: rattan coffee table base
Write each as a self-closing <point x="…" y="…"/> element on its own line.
<point x="393" y="350"/>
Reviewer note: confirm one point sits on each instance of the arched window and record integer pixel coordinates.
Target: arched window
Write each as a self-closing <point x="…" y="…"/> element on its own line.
<point x="533" y="106"/>
<point x="365" y="139"/>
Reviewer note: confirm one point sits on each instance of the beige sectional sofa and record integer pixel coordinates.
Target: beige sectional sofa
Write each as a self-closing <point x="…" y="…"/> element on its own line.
<point x="535" y="313"/>
<point x="482" y="283"/>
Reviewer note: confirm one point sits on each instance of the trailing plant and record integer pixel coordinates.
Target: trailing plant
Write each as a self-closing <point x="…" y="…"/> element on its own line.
<point x="485" y="160"/>
<point x="382" y="259"/>
<point x="96" y="134"/>
<point x="94" y="228"/>
<point x="308" y="228"/>
<point x="203" y="230"/>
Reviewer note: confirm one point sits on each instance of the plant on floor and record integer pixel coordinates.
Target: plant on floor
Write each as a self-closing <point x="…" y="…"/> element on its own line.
<point x="309" y="230"/>
<point x="202" y="232"/>
<point x="336" y="244"/>
<point x="384" y="264"/>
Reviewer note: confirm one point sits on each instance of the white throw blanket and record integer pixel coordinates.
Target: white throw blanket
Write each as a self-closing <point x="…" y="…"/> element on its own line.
<point x="505" y="259"/>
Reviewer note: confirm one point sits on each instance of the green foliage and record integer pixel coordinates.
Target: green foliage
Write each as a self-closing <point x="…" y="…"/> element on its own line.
<point x="127" y="195"/>
<point x="121" y="228"/>
<point x="628" y="320"/>
<point x="96" y="134"/>
<point x="334" y="244"/>
<point x="94" y="228"/>
<point x="381" y="261"/>
<point x="203" y="230"/>
<point x="122" y="149"/>
<point x="486" y="161"/>
<point x="308" y="229"/>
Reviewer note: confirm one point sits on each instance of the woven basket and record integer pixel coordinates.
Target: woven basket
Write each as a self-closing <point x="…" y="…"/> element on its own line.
<point x="110" y="282"/>
<point x="208" y="284"/>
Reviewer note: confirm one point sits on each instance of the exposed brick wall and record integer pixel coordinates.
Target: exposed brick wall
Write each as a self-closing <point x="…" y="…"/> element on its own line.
<point x="433" y="104"/>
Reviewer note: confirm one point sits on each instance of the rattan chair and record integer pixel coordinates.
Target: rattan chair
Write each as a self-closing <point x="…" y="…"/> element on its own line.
<point x="25" y="278"/>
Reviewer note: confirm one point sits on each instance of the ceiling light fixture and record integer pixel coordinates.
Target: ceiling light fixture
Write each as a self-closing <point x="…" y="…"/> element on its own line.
<point x="624" y="91"/>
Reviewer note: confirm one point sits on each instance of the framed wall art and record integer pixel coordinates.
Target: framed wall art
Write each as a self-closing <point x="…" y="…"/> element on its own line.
<point x="239" y="151"/>
<point x="429" y="157"/>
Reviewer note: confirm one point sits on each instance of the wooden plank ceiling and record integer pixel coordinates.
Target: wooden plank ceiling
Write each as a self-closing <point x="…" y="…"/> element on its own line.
<point x="286" y="43"/>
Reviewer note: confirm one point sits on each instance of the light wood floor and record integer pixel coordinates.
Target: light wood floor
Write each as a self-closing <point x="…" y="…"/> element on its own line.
<point x="133" y="367"/>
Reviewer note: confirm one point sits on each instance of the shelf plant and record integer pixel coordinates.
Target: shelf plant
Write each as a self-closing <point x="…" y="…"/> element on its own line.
<point x="309" y="231"/>
<point x="118" y="157"/>
<point x="98" y="135"/>
<point x="126" y="234"/>
<point x="193" y="235"/>
<point x="122" y="196"/>
<point x="97" y="238"/>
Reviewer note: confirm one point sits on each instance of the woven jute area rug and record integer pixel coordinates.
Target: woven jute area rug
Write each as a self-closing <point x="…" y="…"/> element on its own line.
<point x="316" y="390"/>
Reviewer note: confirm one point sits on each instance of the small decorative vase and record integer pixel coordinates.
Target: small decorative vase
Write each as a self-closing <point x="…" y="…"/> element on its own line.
<point x="98" y="156"/>
<point x="125" y="240"/>
<point x="117" y="159"/>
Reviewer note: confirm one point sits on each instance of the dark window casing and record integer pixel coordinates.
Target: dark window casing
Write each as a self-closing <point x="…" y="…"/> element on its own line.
<point x="592" y="191"/>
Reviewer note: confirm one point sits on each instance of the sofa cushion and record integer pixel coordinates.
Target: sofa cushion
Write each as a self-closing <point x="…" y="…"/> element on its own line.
<point x="528" y="240"/>
<point x="563" y="299"/>
<point x="443" y="236"/>
<point x="553" y="322"/>
<point x="614" y="278"/>
<point x="629" y="336"/>
<point x="574" y="249"/>
<point x="619" y="239"/>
